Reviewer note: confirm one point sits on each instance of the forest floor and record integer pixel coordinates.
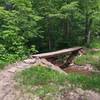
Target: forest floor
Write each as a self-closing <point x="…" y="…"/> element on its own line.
<point x="9" y="90"/>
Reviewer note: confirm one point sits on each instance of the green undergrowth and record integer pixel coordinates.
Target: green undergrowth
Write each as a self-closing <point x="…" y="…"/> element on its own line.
<point x="95" y="43"/>
<point x="41" y="81"/>
<point x="84" y="81"/>
<point x="2" y="65"/>
<point x="9" y="59"/>
<point x="91" y="57"/>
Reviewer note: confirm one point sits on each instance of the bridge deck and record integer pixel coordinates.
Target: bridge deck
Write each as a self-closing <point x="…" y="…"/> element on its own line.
<point x="55" y="53"/>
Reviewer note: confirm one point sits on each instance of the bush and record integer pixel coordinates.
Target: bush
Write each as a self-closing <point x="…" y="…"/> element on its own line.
<point x="95" y="43"/>
<point x="91" y="57"/>
<point x="8" y="59"/>
<point x="15" y="54"/>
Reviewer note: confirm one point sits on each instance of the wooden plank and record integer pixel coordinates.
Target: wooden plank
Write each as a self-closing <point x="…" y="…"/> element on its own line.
<point x="59" y="52"/>
<point x="70" y="59"/>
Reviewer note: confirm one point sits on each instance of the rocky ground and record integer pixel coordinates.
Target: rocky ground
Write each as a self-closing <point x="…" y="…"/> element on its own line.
<point x="86" y="69"/>
<point x="79" y="94"/>
<point x="10" y="91"/>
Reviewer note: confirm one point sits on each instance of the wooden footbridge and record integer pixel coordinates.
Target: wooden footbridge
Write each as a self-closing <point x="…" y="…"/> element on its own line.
<point x="49" y="58"/>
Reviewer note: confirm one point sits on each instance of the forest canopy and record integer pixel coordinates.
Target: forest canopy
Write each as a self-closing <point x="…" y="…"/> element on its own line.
<point x="28" y="26"/>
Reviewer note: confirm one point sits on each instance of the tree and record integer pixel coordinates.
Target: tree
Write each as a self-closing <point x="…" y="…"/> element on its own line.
<point x="27" y="26"/>
<point x="18" y="25"/>
<point x="89" y="8"/>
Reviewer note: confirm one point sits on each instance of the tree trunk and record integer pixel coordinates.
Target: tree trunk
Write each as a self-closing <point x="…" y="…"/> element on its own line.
<point x="86" y="29"/>
<point x="88" y="23"/>
<point x="66" y="28"/>
<point x="88" y="38"/>
<point x="49" y="36"/>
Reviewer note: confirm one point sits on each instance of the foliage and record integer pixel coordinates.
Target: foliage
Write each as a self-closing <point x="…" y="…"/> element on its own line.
<point x="41" y="81"/>
<point x="67" y="23"/>
<point x="85" y="82"/>
<point x="28" y="26"/>
<point x="91" y="57"/>
<point x="46" y="80"/>
<point x="18" y="24"/>
<point x="95" y="43"/>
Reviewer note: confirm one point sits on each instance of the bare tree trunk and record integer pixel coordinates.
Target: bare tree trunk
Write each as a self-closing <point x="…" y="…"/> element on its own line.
<point x="49" y="35"/>
<point x="88" y="23"/>
<point x="88" y="38"/>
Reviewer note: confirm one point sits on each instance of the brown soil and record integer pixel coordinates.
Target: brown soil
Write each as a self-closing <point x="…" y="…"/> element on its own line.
<point x="74" y="69"/>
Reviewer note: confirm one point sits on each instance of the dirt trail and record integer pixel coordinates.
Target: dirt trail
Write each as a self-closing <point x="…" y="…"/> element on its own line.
<point x="8" y="89"/>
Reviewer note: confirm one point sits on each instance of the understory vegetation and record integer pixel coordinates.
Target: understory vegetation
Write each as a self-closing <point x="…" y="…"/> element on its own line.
<point x="40" y="81"/>
<point x="91" y="57"/>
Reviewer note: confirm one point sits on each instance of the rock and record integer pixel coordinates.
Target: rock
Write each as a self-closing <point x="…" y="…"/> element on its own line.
<point x="90" y="95"/>
<point x="79" y="91"/>
<point x="13" y="69"/>
<point x="88" y="67"/>
<point x="30" y="61"/>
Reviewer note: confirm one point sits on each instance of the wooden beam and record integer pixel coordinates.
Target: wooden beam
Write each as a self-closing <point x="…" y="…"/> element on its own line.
<point x="70" y="59"/>
<point x="56" y="53"/>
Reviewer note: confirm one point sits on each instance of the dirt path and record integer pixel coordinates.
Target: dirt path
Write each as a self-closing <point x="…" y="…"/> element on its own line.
<point x="9" y="91"/>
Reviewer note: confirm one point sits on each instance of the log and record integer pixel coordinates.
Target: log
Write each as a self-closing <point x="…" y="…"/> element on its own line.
<point x="44" y="62"/>
<point x="70" y="59"/>
<point x="52" y="66"/>
<point x="56" y="53"/>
